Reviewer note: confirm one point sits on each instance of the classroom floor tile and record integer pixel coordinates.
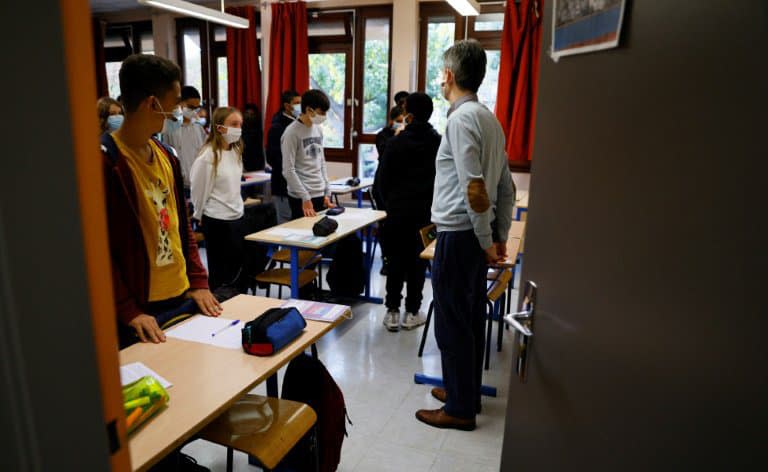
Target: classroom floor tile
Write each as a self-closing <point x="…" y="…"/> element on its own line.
<point x="374" y="369"/>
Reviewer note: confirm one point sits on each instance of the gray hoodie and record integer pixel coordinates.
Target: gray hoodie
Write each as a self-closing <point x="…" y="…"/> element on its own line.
<point x="304" y="161"/>
<point x="473" y="185"/>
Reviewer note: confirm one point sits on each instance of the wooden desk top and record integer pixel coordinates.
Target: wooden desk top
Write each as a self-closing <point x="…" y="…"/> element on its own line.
<point x="522" y="199"/>
<point x="516" y="233"/>
<point x="340" y="187"/>
<point x="206" y="379"/>
<point x="350" y="221"/>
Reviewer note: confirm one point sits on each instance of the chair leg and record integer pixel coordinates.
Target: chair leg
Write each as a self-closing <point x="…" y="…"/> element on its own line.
<point x="499" y="329"/>
<point x="269" y="286"/>
<point x="230" y="460"/>
<point x="489" y="325"/>
<point x="279" y="291"/>
<point x="426" y="327"/>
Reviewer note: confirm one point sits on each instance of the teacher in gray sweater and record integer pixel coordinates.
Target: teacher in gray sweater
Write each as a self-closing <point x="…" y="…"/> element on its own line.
<point x="472" y="208"/>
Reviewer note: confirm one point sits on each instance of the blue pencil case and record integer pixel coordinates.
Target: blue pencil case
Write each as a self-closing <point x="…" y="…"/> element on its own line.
<point x="272" y="331"/>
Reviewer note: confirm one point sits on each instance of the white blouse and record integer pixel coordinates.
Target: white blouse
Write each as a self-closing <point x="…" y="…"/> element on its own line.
<point x="217" y="196"/>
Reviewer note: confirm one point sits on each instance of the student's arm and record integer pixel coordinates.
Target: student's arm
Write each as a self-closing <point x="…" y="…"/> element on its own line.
<point x="465" y="148"/>
<point x="290" y="146"/>
<point x="201" y="182"/>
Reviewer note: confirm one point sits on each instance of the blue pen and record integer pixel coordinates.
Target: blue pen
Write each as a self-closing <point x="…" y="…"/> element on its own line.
<point x="228" y="326"/>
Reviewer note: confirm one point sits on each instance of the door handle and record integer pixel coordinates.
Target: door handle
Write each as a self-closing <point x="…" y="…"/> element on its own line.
<point x="522" y="322"/>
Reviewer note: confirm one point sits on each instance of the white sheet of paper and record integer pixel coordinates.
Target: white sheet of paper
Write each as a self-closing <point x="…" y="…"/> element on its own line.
<point x="346" y="216"/>
<point x="130" y="373"/>
<point x="200" y="329"/>
<point x="279" y="231"/>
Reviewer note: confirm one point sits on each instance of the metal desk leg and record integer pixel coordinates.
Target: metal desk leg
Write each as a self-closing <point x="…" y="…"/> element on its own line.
<point x="359" y="199"/>
<point x="295" y="272"/>
<point x="438" y="382"/>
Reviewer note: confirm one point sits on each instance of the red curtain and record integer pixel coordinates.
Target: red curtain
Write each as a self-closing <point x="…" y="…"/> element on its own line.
<point x="244" y="75"/>
<point x="288" y="55"/>
<point x="102" y="87"/>
<point x="519" y="75"/>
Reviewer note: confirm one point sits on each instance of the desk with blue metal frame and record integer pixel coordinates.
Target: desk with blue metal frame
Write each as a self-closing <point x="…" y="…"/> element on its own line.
<point x="297" y="234"/>
<point x="340" y="187"/>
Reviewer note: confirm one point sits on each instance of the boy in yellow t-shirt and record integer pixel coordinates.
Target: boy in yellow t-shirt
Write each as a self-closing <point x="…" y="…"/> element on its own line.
<point x="157" y="272"/>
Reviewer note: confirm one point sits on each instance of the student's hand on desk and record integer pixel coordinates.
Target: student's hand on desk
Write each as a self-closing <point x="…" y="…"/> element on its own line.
<point x="309" y="209"/>
<point x="501" y="250"/>
<point x="328" y="203"/>
<point x="491" y="255"/>
<point x="147" y="329"/>
<point x="206" y="301"/>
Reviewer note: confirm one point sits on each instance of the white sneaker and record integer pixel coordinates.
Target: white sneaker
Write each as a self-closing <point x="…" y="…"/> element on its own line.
<point x="413" y="320"/>
<point x="392" y="320"/>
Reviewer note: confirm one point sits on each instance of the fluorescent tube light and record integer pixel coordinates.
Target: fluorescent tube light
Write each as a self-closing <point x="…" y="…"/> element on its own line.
<point x="198" y="11"/>
<point x="465" y="7"/>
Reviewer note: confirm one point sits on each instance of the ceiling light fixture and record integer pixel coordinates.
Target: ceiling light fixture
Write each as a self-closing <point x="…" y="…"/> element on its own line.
<point x="465" y="7"/>
<point x="198" y="11"/>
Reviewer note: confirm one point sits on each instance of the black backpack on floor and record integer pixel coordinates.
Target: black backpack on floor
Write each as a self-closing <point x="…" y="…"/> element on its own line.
<point x="346" y="275"/>
<point x="307" y="381"/>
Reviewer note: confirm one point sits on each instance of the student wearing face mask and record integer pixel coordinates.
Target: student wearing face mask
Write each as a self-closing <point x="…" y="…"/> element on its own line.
<point x="156" y="268"/>
<point x="288" y="113"/>
<point x="110" y="114"/>
<point x="185" y="135"/>
<point x="215" y="177"/>
<point x="303" y="157"/>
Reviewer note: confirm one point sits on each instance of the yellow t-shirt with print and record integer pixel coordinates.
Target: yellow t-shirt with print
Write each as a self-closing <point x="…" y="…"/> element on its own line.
<point x="159" y="221"/>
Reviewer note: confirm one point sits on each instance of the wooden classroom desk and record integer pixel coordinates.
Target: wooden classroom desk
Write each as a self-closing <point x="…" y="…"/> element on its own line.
<point x="352" y="220"/>
<point x="340" y="187"/>
<point x="206" y="379"/>
<point x="514" y="240"/>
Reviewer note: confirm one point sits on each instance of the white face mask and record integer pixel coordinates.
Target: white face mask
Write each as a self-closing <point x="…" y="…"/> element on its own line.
<point x="189" y="113"/>
<point x="231" y="135"/>
<point x="297" y="110"/>
<point x="318" y="119"/>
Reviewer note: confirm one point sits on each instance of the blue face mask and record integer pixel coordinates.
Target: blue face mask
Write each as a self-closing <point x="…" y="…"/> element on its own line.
<point x="297" y="110"/>
<point x="169" y="126"/>
<point x="114" y="122"/>
<point x="202" y="121"/>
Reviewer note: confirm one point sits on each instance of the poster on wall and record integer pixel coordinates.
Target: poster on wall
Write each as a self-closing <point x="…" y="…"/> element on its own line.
<point x="581" y="26"/>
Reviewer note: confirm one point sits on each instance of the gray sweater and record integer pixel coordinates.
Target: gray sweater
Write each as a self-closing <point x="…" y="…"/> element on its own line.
<point x="473" y="185"/>
<point x="304" y="161"/>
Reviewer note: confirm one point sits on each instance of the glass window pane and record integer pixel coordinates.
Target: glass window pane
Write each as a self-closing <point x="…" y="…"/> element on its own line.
<point x="375" y="75"/>
<point x="221" y="73"/>
<point x="440" y="36"/>
<point x="220" y="33"/>
<point x="368" y="160"/>
<point x="147" y="43"/>
<point x="489" y="88"/>
<point x="328" y="72"/>
<point x="193" y="66"/>
<point x="489" y="22"/>
<point x="113" y="78"/>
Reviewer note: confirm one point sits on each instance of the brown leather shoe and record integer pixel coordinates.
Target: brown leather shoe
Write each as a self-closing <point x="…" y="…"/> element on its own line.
<point x="440" y="394"/>
<point x="439" y="419"/>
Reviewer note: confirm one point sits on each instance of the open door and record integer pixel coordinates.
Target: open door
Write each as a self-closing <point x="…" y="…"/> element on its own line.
<point x="648" y="349"/>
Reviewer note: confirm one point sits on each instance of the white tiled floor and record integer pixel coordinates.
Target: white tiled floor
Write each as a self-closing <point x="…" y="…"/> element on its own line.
<point x="374" y="369"/>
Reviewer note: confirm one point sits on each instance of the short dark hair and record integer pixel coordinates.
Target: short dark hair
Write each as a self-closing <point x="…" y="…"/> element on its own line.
<point x="288" y="96"/>
<point x="466" y="59"/>
<point x="395" y="112"/>
<point x="188" y="92"/>
<point x="144" y="75"/>
<point x="419" y="105"/>
<point x="315" y="99"/>
<point x="400" y="96"/>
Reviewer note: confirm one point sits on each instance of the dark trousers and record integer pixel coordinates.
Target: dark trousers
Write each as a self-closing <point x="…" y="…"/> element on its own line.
<point x="225" y="248"/>
<point x="298" y="212"/>
<point x="404" y="264"/>
<point x="458" y="282"/>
